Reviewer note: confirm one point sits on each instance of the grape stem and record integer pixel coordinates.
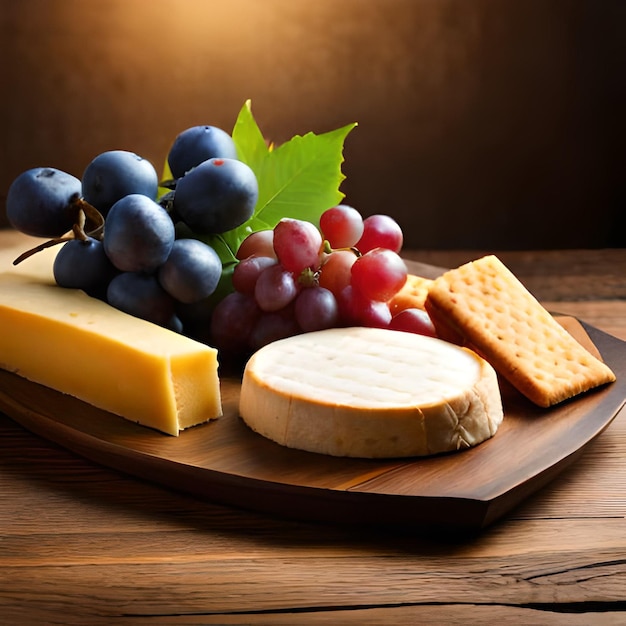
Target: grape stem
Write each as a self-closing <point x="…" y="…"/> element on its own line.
<point x="308" y="277"/>
<point x="86" y="215"/>
<point x="91" y="217"/>
<point x="39" y="248"/>
<point x="328" y="249"/>
<point x="169" y="183"/>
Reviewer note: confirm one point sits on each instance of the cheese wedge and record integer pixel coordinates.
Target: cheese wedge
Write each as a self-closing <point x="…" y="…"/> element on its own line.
<point x="78" y="345"/>
<point x="374" y="393"/>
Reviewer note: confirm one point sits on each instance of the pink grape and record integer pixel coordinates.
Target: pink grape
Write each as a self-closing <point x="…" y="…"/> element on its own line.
<point x="336" y="270"/>
<point x="380" y="231"/>
<point x="248" y="270"/>
<point x="316" y="309"/>
<point x="342" y="226"/>
<point x="275" y="288"/>
<point x="260" y="242"/>
<point x="298" y="245"/>
<point x="379" y="274"/>
<point x="413" y="321"/>
<point x="232" y="321"/>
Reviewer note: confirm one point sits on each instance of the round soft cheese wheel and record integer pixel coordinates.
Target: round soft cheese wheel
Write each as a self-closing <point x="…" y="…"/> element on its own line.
<point x="374" y="393"/>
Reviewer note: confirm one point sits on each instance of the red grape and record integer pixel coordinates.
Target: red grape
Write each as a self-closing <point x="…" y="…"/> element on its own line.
<point x="357" y="310"/>
<point x="380" y="231"/>
<point x="275" y="288"/>
<point x="247" y="272"/>
<point x="335" y="273"/>
<point x="379" y="274"/>
<point x="260" y="242"/>
<point x="342" y="226"/>
<point x="298" y="245"/>
<point x="273" y="326"/>
<point x="232" y="321"/>
<point x="413" y="321"/>
<point x="316" y="309"/>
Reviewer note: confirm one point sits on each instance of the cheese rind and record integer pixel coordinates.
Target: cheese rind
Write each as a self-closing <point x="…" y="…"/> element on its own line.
<point x="373" y="393"/>
<point x="78" y="345"/>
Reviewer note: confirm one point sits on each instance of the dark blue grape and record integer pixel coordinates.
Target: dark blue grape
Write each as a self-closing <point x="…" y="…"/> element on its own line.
<point x="83" y="265"/>
<point x="138" y="234"/>
<point x="198" y="144"/>
<point x="216" y="196"/>
<point x="195" y="318"/>
<point x="191" y="272"/>
<point x="142" y="296"/>
<point x="115" y="174"/>
<point x="176" y="324"/>
<point x="40" y="202"/>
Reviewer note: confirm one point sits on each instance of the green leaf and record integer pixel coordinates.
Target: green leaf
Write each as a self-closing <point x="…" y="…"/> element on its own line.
<point x="165" y="175"/>
<point x="222" y="246"/>
<point x="298" y="179"/>
<point x="251" y="145"/>
<point x="301" y="178"/>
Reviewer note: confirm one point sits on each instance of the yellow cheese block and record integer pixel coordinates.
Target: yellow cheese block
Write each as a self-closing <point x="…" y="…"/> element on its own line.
<point x="68" y="341"/>
<point x="370" y="392"/>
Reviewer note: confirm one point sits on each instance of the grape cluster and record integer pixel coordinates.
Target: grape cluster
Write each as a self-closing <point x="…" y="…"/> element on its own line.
<point x="143" y="253"/>
<point x="125" y="246"/>
<point x="297" y="278"/>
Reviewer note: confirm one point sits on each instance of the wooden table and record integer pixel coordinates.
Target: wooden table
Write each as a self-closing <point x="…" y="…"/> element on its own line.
<point x="80" y="543"/>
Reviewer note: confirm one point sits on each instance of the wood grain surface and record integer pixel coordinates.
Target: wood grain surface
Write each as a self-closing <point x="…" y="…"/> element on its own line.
<point x="83" y="544"/>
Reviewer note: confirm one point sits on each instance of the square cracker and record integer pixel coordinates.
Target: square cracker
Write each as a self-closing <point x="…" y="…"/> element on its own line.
<point x="412" y="295"/>
<point x="484" y="306"/>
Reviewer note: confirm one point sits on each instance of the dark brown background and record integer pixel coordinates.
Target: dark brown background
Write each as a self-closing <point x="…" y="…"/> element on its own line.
<point x="482" y="123"/>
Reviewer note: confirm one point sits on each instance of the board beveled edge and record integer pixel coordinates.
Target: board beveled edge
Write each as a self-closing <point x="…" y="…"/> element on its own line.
<point x="295" y="502"/>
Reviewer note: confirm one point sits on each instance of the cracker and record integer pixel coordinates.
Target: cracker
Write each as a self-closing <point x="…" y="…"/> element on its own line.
<point x="484" y="306"/>
<point x="412" y="295"/>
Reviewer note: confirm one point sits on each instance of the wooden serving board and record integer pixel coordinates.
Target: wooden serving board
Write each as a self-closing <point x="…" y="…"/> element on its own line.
<point x="226" y="462"/>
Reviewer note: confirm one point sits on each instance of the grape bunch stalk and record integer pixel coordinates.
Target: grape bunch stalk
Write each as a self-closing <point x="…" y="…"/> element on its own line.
<point x="297" y="278"/>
